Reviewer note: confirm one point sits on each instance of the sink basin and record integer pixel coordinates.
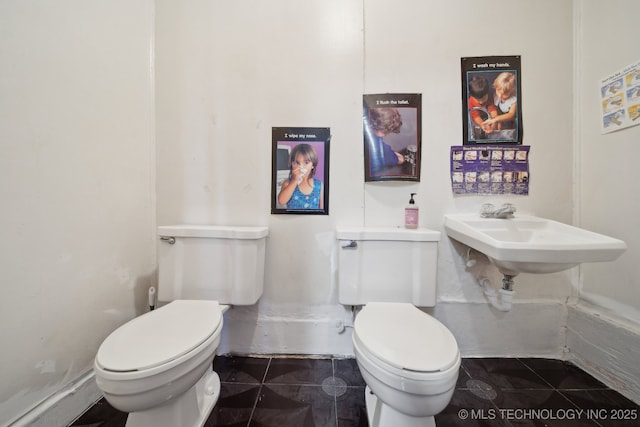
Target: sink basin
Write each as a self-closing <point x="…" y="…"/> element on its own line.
<point x="530" y="244"/>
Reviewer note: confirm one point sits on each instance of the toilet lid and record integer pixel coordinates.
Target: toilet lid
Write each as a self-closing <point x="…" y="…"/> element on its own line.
<point x="405" y="337"/>
<point x="159" y="336"/>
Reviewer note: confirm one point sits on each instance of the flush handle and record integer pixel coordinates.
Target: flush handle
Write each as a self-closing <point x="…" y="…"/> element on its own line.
<point x="168" y="239"/>
<point x="351" y="245"/>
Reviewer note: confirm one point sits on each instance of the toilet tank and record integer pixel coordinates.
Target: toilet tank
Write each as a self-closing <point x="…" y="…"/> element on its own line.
<point x="387" y="265"/>
<point x="211" y="262"/>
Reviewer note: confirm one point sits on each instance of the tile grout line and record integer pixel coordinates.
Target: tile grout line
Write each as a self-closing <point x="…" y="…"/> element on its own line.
<point x="335" y="397"/>
<point x="536" y="373"/>
<point x="264" y="377"/>
<point x="255" y="404"/>
<point x="558" y="390"/>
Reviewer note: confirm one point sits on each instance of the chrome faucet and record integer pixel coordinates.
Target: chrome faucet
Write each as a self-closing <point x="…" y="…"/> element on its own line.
<point x="505" y="211"/>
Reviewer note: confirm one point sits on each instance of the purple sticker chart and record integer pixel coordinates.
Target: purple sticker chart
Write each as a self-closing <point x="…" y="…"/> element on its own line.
<point x="392" y="132"/>
<point x="300" y="170"/>
<point x="490" y="170"/>
<point x="620" y="99"/>
<point x="491" y="100"/>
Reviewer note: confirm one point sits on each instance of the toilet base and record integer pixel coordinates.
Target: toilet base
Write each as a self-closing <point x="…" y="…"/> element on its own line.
<point x="382" y="415"/>
<point x="191" y="409"/>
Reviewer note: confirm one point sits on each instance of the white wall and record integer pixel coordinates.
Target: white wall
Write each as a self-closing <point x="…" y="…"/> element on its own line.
<point x="604" y="327"/>
<point x="608" y="173"/>
<point x="77" y="250"/>
<point x="227" y="73"/>
<point x="78" y="174"/>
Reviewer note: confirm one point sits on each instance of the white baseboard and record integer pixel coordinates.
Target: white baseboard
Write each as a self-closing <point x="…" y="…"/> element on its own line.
<point x="64" y="406"/>
<point x="530" y="329"/>
<point x="605" y="347"/>
<point x="317" y="335"/>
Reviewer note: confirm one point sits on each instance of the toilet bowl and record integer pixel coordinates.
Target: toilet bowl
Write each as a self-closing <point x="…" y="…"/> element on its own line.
<point x="159" y="366"/>
<point x="409" y="361"/>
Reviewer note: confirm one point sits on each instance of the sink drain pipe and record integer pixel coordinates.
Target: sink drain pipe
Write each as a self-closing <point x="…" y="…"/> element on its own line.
<point x="502" y="299"/>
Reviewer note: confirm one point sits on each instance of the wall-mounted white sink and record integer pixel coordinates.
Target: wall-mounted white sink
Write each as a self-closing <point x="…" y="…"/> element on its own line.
<point x="530" y="244"/>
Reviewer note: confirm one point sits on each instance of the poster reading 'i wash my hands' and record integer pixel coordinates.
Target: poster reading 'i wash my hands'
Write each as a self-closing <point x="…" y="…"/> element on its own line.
<point x="491" y="100"/>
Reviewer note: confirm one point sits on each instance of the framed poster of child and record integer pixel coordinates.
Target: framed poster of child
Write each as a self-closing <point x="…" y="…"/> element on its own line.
<point x="491" y="100"/>
<point x="392" y="137"/>
<point x="300" y="170"/>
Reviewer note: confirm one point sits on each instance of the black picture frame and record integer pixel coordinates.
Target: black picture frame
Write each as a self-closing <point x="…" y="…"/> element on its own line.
<point x="489" y="71"/>
<point x="313" y="145"/>
<point x="392" y="128"/>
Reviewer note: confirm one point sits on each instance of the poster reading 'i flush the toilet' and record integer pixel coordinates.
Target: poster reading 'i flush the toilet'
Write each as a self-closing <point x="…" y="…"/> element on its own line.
<point x="491" y="100"/>
<point x="392" y="136"/>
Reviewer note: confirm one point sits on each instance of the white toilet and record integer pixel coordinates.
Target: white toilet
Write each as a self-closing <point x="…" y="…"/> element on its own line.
<point x="408" y="359"/>
<point x="159" y="366"/>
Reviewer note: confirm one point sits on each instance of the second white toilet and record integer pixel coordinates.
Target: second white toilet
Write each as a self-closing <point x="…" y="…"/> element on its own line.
<point x="408" y="359"/>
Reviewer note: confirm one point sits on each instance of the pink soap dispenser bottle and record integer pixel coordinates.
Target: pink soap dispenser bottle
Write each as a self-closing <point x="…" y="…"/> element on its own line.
<point x="411" y="213"/>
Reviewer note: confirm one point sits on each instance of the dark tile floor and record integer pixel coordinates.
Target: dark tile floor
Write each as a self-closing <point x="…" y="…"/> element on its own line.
<point x="301" y="392"/>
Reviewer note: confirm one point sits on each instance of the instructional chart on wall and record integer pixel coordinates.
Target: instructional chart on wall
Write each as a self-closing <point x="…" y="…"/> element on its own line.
<point x="490" y="169"/>
<point x="620" y="99"/>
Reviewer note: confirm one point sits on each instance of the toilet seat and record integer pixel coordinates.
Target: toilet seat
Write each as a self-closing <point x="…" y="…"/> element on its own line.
<point x="154" y="341"/>
<point x="405" y="338"/>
